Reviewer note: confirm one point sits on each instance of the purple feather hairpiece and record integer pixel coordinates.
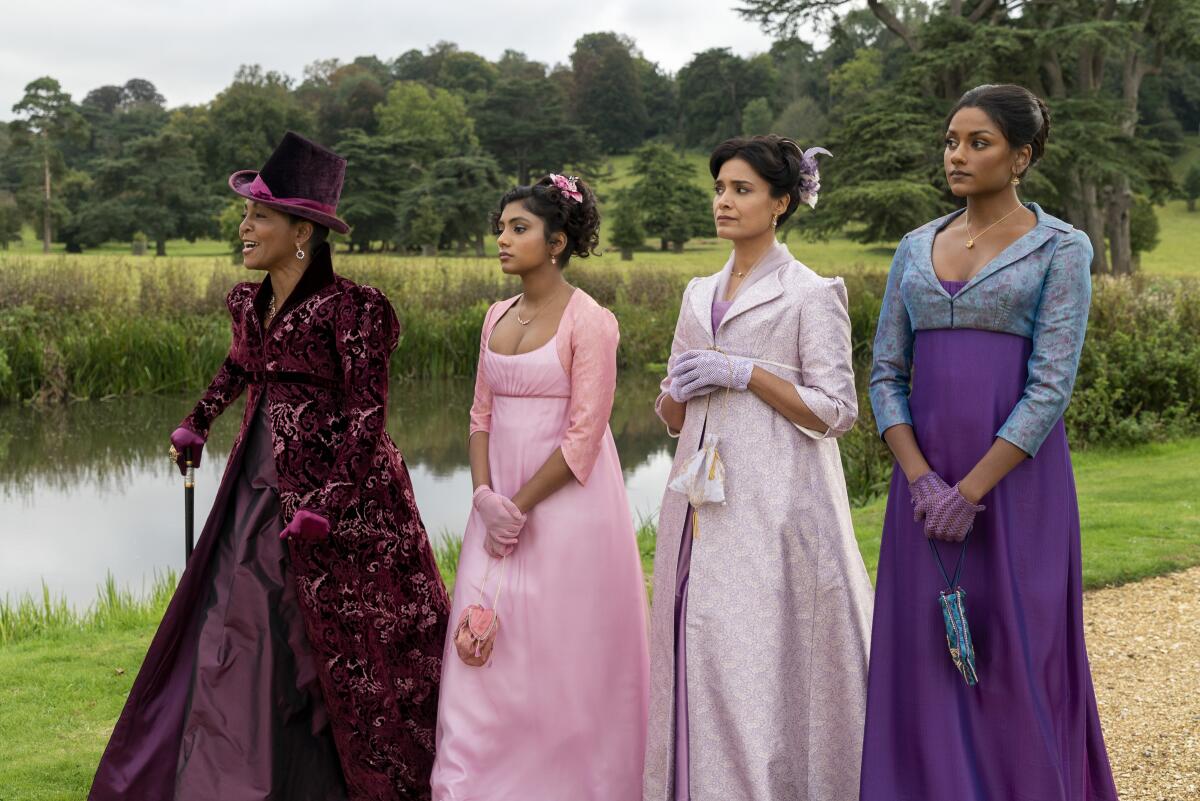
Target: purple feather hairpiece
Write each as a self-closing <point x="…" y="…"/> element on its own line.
<point x="810" y="178"/>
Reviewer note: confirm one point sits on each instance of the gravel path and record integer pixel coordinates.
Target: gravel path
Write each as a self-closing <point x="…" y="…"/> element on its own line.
<point x="1143" y="640"/>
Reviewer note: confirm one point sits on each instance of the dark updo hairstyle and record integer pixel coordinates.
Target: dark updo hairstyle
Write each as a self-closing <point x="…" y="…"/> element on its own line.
<point x="780" y="162"/>
<point x="578" y="220"/>
<point x="1021" y="116"/>
<point x="319" y="235"/>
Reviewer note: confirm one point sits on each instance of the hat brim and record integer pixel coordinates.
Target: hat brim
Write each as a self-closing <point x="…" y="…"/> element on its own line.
<point x="241" y="180"/>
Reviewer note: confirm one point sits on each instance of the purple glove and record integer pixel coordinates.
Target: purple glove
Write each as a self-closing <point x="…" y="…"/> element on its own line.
<point x="306" y="525"/>
<point x="950" y="516"/>
<point x="502" y="519"/>
<point x="698" y="372"/>
<point x="924" y="490"/>
<point x="182" y="439"/>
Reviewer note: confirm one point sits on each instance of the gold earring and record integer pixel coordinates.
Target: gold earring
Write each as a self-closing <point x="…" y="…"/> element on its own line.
<point x="554" y="260"/>
<point x="774" y="220"/>
<point x="1016" y="180"/>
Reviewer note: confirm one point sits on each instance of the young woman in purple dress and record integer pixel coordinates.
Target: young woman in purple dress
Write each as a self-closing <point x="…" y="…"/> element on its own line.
<point x="978" y="343"/>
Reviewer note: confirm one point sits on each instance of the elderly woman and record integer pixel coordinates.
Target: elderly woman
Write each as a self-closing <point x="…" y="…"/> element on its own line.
<point x="759" y="661"/>
<point x="301" y="654"/>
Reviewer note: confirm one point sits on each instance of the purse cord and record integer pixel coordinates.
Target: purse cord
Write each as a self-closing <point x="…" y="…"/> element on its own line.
<point x="483" y="585"/>
<point x="958" y="568"/>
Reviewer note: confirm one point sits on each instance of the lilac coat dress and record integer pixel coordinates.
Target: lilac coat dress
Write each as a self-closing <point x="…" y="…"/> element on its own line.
<point x="777" y="616"/>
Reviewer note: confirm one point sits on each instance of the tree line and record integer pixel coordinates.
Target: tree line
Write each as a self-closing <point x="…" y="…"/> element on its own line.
<point x="432" y="137"/>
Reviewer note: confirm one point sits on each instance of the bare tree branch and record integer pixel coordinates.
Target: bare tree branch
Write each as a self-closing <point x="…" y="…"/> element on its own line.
<point x="893" y="23"/>
<point x="981" y="10"/>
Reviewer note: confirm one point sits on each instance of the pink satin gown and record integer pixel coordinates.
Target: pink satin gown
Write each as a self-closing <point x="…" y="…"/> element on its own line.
<point x="559" y="713"/>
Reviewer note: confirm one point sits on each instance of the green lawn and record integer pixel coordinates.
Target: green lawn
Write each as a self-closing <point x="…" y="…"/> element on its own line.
<point x="1139" y="512"/>
<point x="60" y="695"/>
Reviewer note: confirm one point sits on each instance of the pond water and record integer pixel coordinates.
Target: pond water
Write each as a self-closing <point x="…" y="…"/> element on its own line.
<point x="88" y="489"/>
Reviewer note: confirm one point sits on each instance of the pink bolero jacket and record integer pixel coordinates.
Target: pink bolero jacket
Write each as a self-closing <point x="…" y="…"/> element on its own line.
<point x="587" y="340"/>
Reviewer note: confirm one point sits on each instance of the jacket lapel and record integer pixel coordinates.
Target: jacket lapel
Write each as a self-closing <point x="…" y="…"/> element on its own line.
<point x="762" y="291"/>
<point x="701" y="300"/>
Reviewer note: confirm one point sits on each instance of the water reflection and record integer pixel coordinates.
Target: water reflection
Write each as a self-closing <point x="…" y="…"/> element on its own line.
<point x="88" y="487"/>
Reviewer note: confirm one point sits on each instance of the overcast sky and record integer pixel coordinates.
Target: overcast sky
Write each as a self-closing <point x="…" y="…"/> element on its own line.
<point x="190" y="50"/>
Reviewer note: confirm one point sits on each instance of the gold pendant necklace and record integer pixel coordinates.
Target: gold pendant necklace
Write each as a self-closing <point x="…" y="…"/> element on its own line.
<point x="545" y="303"/>
<point x="967" y="225"/>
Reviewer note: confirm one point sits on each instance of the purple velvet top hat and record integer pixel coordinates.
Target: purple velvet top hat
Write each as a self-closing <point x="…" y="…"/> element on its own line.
<point x="300" y="178"/>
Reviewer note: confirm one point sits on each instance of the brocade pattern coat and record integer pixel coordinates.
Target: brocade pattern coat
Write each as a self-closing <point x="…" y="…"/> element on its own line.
<point x="374" y="605"/>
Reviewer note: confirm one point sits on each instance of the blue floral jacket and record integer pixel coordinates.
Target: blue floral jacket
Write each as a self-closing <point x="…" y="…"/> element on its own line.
<point x="1039" y="287"/>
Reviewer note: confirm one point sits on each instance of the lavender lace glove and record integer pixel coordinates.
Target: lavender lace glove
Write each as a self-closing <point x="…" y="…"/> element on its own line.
<point x="699" y="371"/>
<point x="924" y="489"/>
<point x="950" y="516"/>
<point x="182" y="439"/>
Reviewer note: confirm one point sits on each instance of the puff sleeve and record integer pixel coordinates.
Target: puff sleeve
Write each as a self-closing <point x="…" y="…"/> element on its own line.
<point x="367" y="332"/>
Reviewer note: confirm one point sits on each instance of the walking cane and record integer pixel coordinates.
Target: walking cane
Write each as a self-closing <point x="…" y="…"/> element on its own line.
<point x="189" y="500"/>
<point x="189" y="506"/>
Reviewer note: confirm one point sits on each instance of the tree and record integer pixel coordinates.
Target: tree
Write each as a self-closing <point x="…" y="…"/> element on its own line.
<point x="608" y="94"/>
<point x="10" y="219"/>
<point x="627" y="231"/>
<point x="244" y="123"/>
<point x="378" y="169"/>
<point x="1089" y="58"/>
<point x="757" y="117"/>
<point x="467" y="188"/>
<point x="1144" y="228"/>
<point x="1191" y="186"/>
<point x="344" y="96"/>
<point x="523" y="124"/>
<point x="434" y="117"/>
<point x="50" y="122"/>
<point x="803" y="121"/>
<point x="672" y="207"/>
<point x="714" y="88"/>
<point x="158" y="187"/>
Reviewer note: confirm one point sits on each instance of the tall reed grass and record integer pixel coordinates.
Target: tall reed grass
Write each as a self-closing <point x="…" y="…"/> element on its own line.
<point x="116" y="608"/>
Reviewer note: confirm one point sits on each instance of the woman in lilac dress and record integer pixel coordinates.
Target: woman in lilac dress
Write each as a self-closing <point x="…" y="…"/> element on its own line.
<point x="761" y="604"/>
<point x="978" y="343"/>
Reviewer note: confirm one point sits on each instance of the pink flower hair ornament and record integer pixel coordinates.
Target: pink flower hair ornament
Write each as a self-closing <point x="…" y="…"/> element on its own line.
<point x="567" y="186"/>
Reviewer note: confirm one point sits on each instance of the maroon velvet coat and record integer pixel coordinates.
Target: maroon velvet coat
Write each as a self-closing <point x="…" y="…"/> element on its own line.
<point x="373" y="601"/>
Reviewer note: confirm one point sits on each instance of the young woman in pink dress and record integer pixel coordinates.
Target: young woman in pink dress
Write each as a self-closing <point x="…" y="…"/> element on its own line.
<point x="559" y="709"/>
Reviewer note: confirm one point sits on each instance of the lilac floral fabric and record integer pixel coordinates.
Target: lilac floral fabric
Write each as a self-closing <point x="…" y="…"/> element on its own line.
<point x="1038" y="288"/>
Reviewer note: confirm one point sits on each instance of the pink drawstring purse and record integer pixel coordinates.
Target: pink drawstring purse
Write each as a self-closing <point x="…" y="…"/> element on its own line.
<point x="477" y="628"/>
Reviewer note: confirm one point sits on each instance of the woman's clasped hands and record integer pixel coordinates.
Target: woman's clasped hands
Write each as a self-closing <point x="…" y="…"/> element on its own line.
<point x="501" y="518"/>
<point x="947" y="514"/>
<point x="698" y="372"/>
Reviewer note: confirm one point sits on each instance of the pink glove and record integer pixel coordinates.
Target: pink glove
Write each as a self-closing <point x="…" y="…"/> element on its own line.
<point x="306" y="525"/>
<point x="924" y="490"/>
<point x="182" y="439"/>
<point x="950" y="516"/>
<point x="697" y="372"/>
<point x="502" y="519"/>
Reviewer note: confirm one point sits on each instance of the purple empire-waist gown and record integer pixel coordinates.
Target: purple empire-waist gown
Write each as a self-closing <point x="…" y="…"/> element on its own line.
<point x="1029" y="731"/>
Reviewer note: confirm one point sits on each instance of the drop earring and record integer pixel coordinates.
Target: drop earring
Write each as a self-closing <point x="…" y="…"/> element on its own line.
<point x="554" y="260"/>
<point x="1015" y="180"/>
<point x="299" y="254"/>
<point x="774" y="220"/>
